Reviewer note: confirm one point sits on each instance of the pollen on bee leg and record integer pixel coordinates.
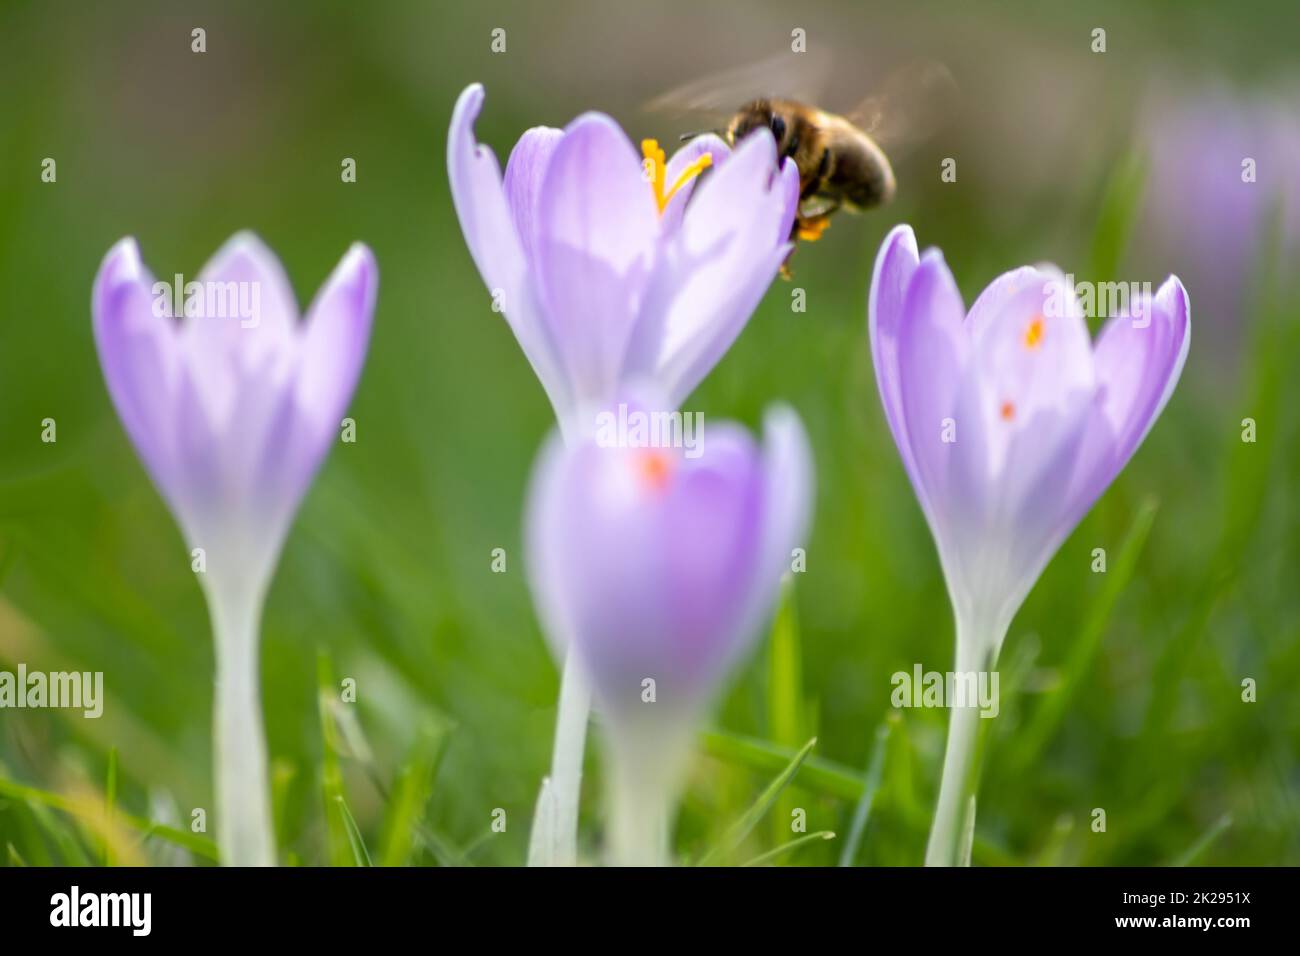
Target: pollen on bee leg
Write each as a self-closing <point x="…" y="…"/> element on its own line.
<point x="810" y="230"/>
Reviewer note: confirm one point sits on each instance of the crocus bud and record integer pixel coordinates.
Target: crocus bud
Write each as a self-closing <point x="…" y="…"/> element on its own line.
<point x="231" y="403"/>
<point x="657" y="570"/>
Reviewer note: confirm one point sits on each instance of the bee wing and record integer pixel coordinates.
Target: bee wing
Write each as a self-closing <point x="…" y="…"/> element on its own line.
<point x="912" y="104"/>
<point x="794" y="76"/>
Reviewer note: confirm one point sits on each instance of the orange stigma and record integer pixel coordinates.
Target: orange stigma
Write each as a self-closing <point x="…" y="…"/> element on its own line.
<point x="654" y="468"/>
<point x="656" y="168"/>
<point x="1007" y="411"/>
<point x="1034" y="333"/>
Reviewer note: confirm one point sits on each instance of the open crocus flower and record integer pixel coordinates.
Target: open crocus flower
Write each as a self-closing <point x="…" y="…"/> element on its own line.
<point x="232" y="409"/>
<point x="654" y="571"/>
<point x="1010" y="423"/>
<point x="608" y="263"/>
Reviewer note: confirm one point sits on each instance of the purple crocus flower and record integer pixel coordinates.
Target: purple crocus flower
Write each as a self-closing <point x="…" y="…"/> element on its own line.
<point x="654" y="570"/>
<point x="1222" y="165"/>
<point x="232" y="409"/>
<point x="609" y="265"/>
<point x="1010" y="423"/>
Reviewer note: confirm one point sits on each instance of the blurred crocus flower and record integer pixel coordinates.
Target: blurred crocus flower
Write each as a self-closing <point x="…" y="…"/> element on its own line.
<point x="232" y="410"/>
<point x="609" y="265"/>
<point x="1010" y="423"/>
<point x="655" y="572"/>
<point x="1222" y="165"/>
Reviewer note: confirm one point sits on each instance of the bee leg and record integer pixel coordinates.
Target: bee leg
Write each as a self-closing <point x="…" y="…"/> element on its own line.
<point x="811" y="229"/>
<point x="785" y="266"/>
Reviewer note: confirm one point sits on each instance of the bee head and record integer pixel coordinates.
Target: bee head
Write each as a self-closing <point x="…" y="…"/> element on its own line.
<point x="758" y="115"/>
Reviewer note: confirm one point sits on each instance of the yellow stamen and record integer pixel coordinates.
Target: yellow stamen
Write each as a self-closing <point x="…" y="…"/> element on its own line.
<point x="656" y="166"/>
<point x="1034" y="334"/>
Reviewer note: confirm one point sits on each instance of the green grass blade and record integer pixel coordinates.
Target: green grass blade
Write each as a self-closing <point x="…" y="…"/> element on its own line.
<point x="360" y="855"/>
<point x="870" y="787"/>
<point x="65" y="839"/>
<point x="1118" y="212"/>
<point x="1053" y="849"/>
<point x="764" y="858"/>
<point x="37" y="800"/>
<point x="110" y="798"/>
<point x="1203" y="843"/>
<point x="200" y="846"/>
<point x="411" y="793"/>
<point x="338" y="839"/>
<point x="785" y="705"/>
<point x="737" y="832"/>
<point x="444" y="851"/>
<point x="1087" y="642"/>
<point x="823" y="776"/>
<point x="283" y="774"/>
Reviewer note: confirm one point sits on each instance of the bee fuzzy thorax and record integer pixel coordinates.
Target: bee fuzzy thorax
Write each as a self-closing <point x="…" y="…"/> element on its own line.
<point x="839" y="165"/>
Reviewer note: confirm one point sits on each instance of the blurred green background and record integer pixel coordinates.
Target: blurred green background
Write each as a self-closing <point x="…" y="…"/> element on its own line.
<point x="1120" y="690"/>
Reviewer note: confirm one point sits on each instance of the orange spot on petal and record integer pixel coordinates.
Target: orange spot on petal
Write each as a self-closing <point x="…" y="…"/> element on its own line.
<point x="654" y="468"/>
<point x="1034" y="333"/>
<point x="1007" y="411"/>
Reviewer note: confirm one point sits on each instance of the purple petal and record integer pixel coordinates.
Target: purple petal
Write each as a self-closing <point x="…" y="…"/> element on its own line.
<point x="1139" y="364"/>
<point x="895" y="265"/>
<point x="697" y="147"/>
<point x="597" y="229"/>
<point x="335" y="338"/>
<point x="487" y="221"/>
<point x="226" y="344"/>
<point x="479" y="199"/>
<point x="246" y="261"/>
<point x="1033" y="359"/>
<point x="545" y="542"/>
<point x="933" y="354"/>
<point x="525" y="170"/>
<point x="715" y="270"/>
<point x="788" y="465"/>
<point x="995" y="297"/>
<point x="1137" y="368"/>
<point x="1027" y="395"/>
<point x="138" y="353"/>
<point x="787" y="510"/>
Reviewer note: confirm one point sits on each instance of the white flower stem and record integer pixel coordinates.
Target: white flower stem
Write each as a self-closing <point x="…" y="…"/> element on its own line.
<point x="243" y="808"/>
<point x="640" y="820"/>
<point x="555" y="824"/>
<point x="953" y="829"/>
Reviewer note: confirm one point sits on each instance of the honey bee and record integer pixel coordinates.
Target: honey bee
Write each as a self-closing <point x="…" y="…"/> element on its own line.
<point x="839" y="165"/>
<point x="841" y="159"/>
